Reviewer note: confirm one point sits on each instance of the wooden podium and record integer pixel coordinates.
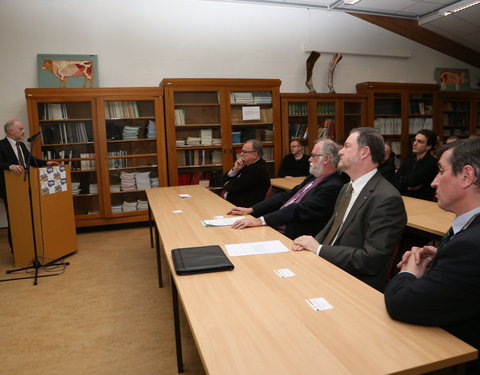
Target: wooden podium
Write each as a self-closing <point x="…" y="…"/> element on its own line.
<point x="53" y="218"/>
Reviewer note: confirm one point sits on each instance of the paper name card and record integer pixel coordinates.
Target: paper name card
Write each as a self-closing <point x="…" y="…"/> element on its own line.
<point x="319" y="304"/>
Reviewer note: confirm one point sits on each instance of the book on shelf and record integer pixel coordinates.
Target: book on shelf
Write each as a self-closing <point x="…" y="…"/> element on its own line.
<point x="298" y="109"/>
<point x="179" y="116"/>
<point x="121" y="109"/>
<point x="63" y="132"/>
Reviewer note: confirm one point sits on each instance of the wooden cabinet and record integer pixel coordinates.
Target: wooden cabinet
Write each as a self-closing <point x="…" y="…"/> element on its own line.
<point x="113" y="139"/>
<point x="314" y="116"/>
<point x="459" y="113"/>
<point x="208" y="120"/>
<point x="399" y="110"/>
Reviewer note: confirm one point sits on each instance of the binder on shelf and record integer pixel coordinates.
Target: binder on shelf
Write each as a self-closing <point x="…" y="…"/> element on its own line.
<point x="201" y="259"/>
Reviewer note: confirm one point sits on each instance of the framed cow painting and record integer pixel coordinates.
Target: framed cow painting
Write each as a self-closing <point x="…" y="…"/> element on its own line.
<point x="452" y="79"/>
<point x="67" y="71"/>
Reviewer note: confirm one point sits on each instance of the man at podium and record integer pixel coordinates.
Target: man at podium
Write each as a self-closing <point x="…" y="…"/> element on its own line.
<point x="14" y="156"/>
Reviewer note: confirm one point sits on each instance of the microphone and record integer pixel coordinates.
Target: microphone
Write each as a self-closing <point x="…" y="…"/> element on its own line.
<point x="33" y="137"/>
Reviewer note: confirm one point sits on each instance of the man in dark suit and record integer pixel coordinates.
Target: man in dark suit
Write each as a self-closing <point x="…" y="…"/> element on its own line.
<point x="14" y="156"/>
<point x="441" y="286"/>
<point x="369" y="215"/>
<point x="307" y="207"/>
<point x="248" y="181"/>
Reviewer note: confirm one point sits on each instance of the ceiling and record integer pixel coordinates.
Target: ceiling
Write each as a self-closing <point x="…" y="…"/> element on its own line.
<point x="462" y="28"/>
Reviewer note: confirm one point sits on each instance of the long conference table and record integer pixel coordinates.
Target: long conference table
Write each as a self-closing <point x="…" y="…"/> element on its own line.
<point x="251" y="321"/>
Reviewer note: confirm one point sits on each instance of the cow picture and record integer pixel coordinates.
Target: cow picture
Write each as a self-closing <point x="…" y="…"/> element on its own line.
<point x="70" y="71"/>
<point x="63" y="69"/>
<point x="453" y="79"/>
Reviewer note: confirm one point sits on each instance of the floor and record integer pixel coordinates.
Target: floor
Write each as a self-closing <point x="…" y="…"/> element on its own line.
<point x="104" y="315"/>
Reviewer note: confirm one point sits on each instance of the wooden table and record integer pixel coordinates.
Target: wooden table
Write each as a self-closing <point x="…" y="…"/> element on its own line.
<point x="427" y="216"/>
<point x="286" y="183"/>
<point x="250" y="321"/>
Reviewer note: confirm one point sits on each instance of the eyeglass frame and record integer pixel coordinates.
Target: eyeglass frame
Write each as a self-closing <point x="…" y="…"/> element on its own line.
<point x="313" y="155"/>
<point x="246" y="151"/>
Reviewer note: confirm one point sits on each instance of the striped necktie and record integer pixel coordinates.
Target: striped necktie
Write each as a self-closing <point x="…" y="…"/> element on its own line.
<point x="337" y="222"/>
<point x="20" y="155"/>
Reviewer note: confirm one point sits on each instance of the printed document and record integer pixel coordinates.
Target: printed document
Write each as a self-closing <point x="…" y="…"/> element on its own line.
<point x="256" y="248"/>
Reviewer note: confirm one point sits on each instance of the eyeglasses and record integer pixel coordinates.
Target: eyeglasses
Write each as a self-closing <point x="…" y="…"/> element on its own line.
<point x="315" y="155"/>
<point x="246" y="151"/>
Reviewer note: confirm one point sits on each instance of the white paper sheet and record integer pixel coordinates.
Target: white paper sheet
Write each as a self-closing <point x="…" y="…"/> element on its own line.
<point x="225" y="222"/>
<point x="256" y="248"/>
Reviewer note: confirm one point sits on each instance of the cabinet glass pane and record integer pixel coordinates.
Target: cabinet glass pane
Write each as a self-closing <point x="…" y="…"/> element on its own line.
<point x="251" y="116"/>
<point x="131" y="153"/>
<point x="387" y="113"/>
<point x="456" y="118"/>
<point x="67" y="136"/>
<point x="326" y="112"/>
<point x="420" y="111"/>
<point x="198" y="136"/>
<point x="297" y="120"/>
<point x="352" y="112"/>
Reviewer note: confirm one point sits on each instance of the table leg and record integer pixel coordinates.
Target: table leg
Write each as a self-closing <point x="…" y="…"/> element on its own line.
<point x="176" y="323"/>
<point x="159" y="258"/>
<point x="150" y="225"/>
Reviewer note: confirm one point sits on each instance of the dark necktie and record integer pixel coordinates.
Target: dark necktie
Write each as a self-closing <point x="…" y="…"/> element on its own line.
<point x="446" y="237"/>
<point x="342" y="208"/>
<point x="20" y="155"/>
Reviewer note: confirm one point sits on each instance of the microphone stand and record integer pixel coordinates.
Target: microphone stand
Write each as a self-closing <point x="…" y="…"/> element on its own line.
<point x="36" y="265"/>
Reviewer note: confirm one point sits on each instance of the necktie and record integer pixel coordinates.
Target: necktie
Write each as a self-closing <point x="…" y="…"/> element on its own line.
<point x="20" y="155"/>
<point x="446" y="237"/>
<point x="342" y="208"/>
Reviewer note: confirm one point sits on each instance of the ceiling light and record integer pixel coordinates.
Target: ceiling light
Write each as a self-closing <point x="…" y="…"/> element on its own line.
<point x="457" y="7"/>
<point x="350" y="2"/>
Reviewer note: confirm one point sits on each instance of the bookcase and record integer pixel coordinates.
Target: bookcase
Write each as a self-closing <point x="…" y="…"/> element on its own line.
<point x="314" y="116"/>
<point x="399" y="110"/>
<point x="459" y="113"/>
<point x="208" y="120"/>
<point x="114" y="141"/>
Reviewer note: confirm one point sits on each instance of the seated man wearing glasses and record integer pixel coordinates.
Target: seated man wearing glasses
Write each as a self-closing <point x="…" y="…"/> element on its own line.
<point x="307" y="207"/>
<point x="248" y="181"/>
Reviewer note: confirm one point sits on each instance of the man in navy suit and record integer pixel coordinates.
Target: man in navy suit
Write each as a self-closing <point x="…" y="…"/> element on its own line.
<point x="14" y="156"/>
<point x="441" y="286"/>
<point x="369" y="215"/>
<point x="307" y="207"/>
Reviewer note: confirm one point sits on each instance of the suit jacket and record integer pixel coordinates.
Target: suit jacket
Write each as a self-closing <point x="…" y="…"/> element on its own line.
<point x="8" y="158"/>
<point x="249" y="186"/>
<point x="369" y="234"/>
<point x="309" y="215"/>
<point x="448" y="294"/>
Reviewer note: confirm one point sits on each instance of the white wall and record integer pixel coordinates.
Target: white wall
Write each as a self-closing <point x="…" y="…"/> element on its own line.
<point x="140" y="42"/>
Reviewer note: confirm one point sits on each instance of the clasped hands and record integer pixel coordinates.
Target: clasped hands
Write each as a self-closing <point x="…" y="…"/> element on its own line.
<point x="417" y="260"/>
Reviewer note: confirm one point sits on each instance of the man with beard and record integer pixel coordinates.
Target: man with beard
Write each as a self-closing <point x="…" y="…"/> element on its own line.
<point x="307" y="207"/>
<point x="369" y="215"/>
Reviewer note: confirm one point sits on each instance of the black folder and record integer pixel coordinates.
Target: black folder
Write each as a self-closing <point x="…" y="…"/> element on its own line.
<point x="201" y="259"/>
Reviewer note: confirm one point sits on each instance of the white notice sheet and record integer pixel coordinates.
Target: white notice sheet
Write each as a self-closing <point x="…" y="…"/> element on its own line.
<point x="256" y="248"/>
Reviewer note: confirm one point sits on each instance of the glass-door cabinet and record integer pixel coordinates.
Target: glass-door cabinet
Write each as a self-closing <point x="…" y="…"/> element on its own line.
<point x="314" y="116"/>
<point x="113" y="139"/>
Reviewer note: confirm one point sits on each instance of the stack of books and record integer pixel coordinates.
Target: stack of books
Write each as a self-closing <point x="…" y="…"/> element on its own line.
<point x="142" y="180"/>
<point x="129" y="206"/>
<point x="206" y="137"/>
<point x="127" y="181"/>
<point x="130" y="132"/>
<point x="151" y="129"/>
